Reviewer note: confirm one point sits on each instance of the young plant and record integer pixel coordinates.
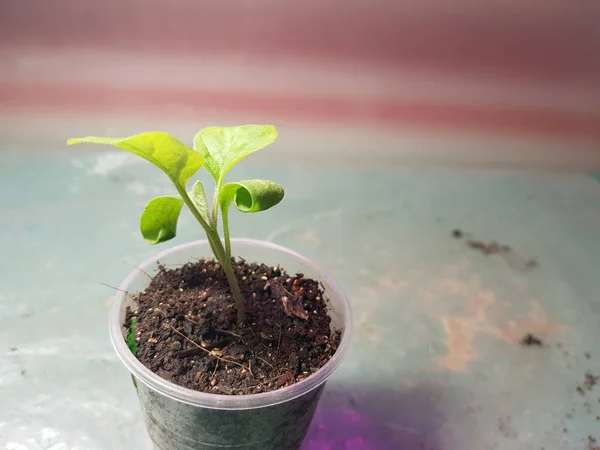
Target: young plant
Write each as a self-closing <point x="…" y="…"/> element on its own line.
<point x="218" y="149"/>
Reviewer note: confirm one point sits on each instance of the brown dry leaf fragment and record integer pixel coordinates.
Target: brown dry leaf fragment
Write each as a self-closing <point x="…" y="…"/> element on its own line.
<point x="293" y="307"/>
<point x="292" y="304"/>
<point x="285" y="378"/>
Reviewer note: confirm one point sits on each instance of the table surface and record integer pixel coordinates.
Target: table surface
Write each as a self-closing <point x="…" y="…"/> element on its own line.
<point x="435" y="362"/>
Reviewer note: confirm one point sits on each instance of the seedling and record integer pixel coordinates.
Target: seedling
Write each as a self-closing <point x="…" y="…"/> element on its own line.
<point x="218" y="149"/>
<point x="131" y="342"/>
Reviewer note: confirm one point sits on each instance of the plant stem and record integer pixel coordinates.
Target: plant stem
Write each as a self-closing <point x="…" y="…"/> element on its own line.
<point x="226" y="233"/>
<point x="233" y="282"/>
<point x="235" y="290"/>
<point x="215" y="209"/>
<point x="222" y="255"/>
<point x="211" y="233"/>
<point x="217" y="246"/>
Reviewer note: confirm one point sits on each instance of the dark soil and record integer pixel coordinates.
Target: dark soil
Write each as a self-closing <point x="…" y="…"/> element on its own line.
<point x="530" y="340"/>
<point x="186" y="328"/>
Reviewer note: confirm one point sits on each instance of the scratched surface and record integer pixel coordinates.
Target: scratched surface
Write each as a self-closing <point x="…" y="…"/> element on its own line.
<point x="436" y="362"/>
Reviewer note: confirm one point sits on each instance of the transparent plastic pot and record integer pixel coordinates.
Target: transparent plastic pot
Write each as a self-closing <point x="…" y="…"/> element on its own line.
<point x="182" y="419"/>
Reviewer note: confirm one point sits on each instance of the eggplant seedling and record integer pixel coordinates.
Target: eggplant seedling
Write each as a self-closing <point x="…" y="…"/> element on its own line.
<point x="217" y="149"/>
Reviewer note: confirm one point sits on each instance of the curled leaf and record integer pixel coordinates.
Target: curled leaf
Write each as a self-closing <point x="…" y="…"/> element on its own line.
<point x="159" y="219"/>
<point x="250" y="195"/>
<point x="175" y="159"/>
<point x="223" y="147"/>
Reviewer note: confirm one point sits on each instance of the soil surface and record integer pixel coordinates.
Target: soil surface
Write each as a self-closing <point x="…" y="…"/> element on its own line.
<point x="186" y="328"/>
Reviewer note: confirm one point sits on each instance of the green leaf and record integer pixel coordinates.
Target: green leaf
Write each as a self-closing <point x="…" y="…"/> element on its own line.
<point x="175" y="159"/>
<point x="131" y="342"/>
<point x="223" y="147"/>
<point x="250" y="195"/>
<point x="159" y="220"/>
<point x="199" y="199"/>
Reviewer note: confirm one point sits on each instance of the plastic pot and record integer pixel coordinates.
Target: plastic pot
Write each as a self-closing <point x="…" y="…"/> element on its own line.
<point x="182" y="419"/>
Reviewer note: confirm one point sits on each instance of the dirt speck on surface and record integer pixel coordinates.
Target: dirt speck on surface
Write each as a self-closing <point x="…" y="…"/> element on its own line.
<point x="587" y="355"/>
<point x="529" y="340"/>
<point x="590" y="381"/>
<point x="487" y="248"/>
<point x="505" y="427"/>
<point x="186" y="329"/>
<point x="592" y="443"/>
<point x="457" y="233"/>
<point x="511" y="256"/>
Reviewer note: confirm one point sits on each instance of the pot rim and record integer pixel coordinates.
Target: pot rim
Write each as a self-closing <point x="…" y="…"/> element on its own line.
<point x="220" y="401"/>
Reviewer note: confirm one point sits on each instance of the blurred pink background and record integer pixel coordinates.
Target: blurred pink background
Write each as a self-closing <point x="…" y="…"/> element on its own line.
<point x="499" y="81"/>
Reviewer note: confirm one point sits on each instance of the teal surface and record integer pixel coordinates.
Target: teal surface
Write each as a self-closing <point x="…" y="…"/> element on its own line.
<point x="436" y="361"/>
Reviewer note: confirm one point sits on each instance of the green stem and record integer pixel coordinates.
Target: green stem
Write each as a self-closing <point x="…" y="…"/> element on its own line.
<point x="222" y="254"/>
<point x="216" y="246"/>
<point x="215" y="208"/>
<point x="211" y="233"/>
<point x="237" y="293"/>
<point x="233" y="282"/>
<point x="226" y="235"/>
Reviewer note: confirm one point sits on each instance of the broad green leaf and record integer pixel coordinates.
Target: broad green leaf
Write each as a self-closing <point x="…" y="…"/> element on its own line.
<point x="199" y="199"/>
<point x="223" y="147"/>
<point x="250" y="195"/>
<point x="175" y="159"/>
<point x="159" y="219"/>
<point x="131" y="342"/>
